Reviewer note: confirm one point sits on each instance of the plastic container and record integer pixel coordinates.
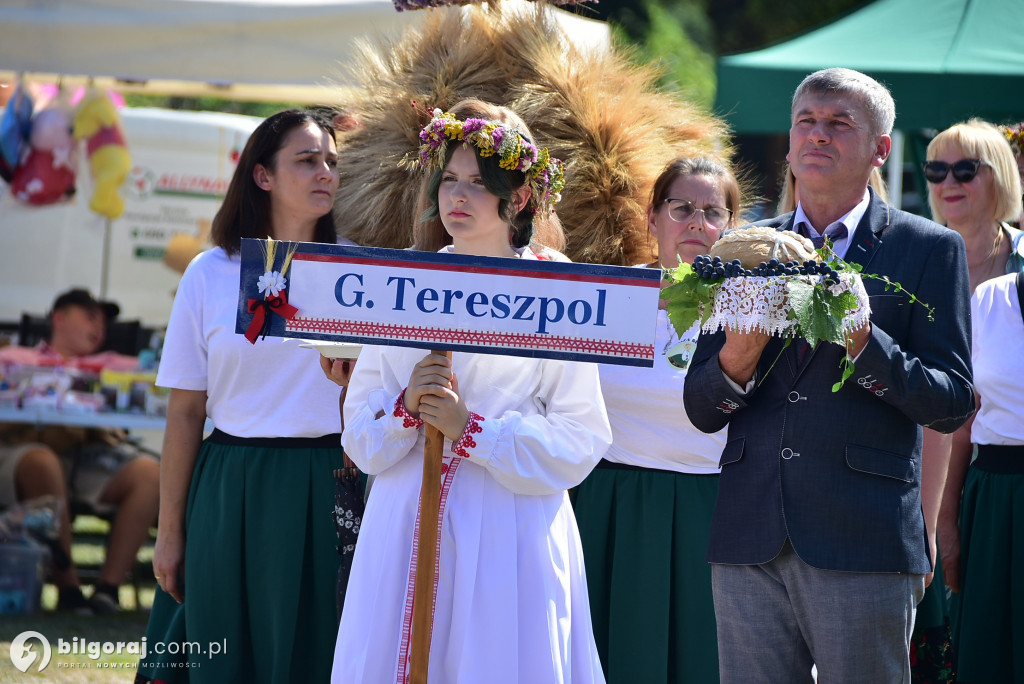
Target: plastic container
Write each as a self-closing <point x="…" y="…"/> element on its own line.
<point x="22" y="569"/>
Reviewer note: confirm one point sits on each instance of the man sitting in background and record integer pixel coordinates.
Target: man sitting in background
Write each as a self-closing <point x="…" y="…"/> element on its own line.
<point x="94" y="467"/>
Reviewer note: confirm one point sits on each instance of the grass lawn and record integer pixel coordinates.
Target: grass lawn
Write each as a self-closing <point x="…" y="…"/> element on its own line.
<point x="127" y="626"/>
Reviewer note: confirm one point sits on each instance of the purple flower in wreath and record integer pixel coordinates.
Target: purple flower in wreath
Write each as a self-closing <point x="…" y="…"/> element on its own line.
<point x="473" y="125"/>
<point x="529" y="156"/>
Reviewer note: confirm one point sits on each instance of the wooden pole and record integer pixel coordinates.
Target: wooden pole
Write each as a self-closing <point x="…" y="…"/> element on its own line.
<point x="423" y="590"/>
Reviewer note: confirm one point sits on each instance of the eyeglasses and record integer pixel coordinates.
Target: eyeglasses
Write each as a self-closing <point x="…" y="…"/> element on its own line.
<point x="964" y="170"/>
<point x="682" y="211"/>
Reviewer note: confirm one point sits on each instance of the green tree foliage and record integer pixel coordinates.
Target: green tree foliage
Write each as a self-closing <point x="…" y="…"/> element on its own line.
<point x="686" y="36"/>
<point x="725" y="26"/>
<point x="688" y="67"/>
<point x="750" y="24"/>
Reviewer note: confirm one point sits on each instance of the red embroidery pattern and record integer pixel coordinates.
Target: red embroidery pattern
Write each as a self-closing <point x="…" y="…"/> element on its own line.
<point x="448" y="469"/>
<point x="490" y="338"/>
<point x="466" y="441"/>
<point x="408" y="420"/>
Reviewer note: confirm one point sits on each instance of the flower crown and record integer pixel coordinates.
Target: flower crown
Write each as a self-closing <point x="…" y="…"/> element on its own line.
<point x="1015" y="136"/>
<point x="544" y="174"/>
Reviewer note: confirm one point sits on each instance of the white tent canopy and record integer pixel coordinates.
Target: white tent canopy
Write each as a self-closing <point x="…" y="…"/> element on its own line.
<point x="281" y="50"/>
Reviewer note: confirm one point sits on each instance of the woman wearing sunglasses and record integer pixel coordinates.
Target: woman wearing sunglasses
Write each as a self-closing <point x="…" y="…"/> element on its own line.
<point x="973" y="188"/>
<point x="645" y="512"/>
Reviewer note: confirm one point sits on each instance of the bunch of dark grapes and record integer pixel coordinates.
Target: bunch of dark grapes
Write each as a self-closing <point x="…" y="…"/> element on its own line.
<point x="712" y="268"/>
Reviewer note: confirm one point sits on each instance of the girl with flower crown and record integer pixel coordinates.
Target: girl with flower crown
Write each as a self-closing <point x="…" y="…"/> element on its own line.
<point x="510" y="594"/>
<point x="429" y="234"/>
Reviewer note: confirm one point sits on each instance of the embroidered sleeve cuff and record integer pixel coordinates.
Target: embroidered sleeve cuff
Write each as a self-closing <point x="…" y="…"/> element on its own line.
<point x="466" y="441"/>
<point x="408" y="420"/>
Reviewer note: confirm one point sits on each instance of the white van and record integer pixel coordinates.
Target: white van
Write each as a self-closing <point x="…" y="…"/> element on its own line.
<point x="181" y="165"/>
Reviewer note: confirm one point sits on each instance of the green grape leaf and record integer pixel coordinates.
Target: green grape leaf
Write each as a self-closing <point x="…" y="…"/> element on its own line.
<point x="689" y="298"/>
<point x="799" y="300"/>
<point x="829" y="325"/>
<point x="683" y="309"/>
<point x="842" y="304"/>
<point x="813" y="309"/>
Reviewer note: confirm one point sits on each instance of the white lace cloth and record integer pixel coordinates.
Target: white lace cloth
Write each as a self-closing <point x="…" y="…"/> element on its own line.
<point x="762" y="304"/>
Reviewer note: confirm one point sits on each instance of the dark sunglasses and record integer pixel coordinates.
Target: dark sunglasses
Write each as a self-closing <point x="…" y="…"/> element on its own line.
<point x="964" y="170"/>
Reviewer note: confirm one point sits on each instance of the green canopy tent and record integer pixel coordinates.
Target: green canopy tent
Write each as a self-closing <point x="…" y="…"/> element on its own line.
<point x="943" y="60"/>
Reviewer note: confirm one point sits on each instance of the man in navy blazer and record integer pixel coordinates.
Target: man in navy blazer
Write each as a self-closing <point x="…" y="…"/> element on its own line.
<point x="818" y="542"/>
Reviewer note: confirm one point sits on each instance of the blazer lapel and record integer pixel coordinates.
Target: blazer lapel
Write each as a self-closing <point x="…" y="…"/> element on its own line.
<point x="867" y="238"/>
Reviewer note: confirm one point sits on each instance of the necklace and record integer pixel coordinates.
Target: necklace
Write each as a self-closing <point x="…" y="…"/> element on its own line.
<point x="678" y="350"/>
<point x="988" y="267"/>
<point x="671" y="336"/>
<point x="996" y="246"/>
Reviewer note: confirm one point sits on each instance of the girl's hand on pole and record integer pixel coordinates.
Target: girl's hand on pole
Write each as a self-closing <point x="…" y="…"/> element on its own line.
<point x="444" y="409"/>
<point x="432" y="375"/>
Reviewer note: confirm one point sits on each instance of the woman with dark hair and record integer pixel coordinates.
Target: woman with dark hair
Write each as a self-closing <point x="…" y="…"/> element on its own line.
<point x="511" y="599"/>
<point x="645" y="511"/>
<point x="248" y="209"/>
<point x="245" y="552"/>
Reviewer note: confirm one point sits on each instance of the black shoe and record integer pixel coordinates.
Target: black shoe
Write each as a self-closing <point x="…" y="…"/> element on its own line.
<point x="103" y="603"/>
<point x="72" y="600"/>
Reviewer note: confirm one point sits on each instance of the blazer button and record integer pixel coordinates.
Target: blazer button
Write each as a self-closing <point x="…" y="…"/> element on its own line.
<point x="794" y="397"/>
<point x="788" y="453"/>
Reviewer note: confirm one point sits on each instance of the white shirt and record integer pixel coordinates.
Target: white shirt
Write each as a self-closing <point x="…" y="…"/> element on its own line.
<point x="650" y="427"/>
<point x="998" y="340"/>
<point x="272" y="388"/>
<point x="851" y="220"/>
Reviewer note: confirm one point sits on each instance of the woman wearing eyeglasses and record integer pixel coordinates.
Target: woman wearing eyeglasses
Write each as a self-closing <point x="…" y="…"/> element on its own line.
<point x="645" y="512"/>
<point x="973" y="188"/>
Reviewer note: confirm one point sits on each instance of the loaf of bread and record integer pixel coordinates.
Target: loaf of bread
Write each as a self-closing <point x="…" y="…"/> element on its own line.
<point x="755" y="244"/>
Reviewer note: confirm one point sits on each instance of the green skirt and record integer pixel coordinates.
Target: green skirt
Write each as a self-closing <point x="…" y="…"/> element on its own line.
<point x="645" y="539"/>
<point x="988" y="613"/>
<point x="261" y="569"/>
